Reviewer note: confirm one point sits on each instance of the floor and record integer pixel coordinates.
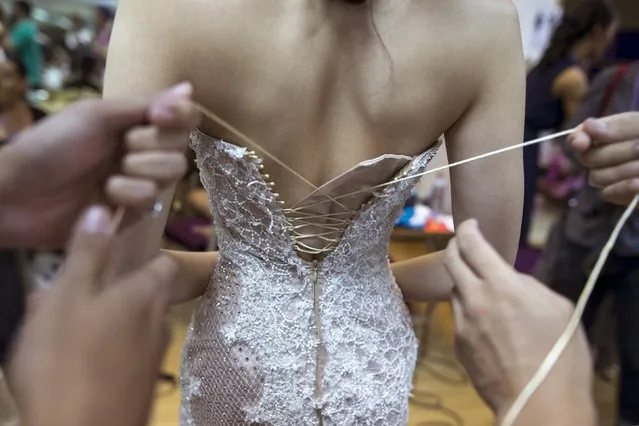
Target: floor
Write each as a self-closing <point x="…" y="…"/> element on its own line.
<point x="442" y="394"/>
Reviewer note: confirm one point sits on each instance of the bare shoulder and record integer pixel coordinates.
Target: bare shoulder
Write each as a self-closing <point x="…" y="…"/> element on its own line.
<point x="484" y="33"/>
<point x="493" y="24"/>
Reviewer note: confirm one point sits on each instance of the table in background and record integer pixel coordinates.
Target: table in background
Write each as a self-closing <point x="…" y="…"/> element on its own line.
<point x="58" y="101"/>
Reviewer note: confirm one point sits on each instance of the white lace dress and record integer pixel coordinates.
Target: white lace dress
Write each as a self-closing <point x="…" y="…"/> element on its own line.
<point x="279" y="341"/>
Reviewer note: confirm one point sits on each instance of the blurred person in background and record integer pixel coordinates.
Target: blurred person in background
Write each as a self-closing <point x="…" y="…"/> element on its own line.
<point x="79" y="36"/>
<point x="579" y="236"/>
<point x="15" y="116"/>
<point x="57" y="67"/>
<point x="23" y="40"/>
<point x="556" y="86"/>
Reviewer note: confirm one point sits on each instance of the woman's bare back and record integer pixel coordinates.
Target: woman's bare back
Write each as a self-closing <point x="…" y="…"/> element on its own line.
<point x="324" y="84"/>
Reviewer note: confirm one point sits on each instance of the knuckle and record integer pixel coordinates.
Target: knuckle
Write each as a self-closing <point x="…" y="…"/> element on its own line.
<point x="448" y="257"/>
<point x="594" y="178"/>
<point x="587" y="159"/>
<point x="475" y="309"/>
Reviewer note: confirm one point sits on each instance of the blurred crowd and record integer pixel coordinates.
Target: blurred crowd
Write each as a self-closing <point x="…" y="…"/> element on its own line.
<point x="57" y="57"/>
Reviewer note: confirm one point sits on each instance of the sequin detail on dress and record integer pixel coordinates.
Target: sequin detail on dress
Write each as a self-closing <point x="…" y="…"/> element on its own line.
<point x="252" y="348"/>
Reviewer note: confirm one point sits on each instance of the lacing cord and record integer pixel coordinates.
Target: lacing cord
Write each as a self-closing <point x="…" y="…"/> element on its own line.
<point x="330" y="231"/>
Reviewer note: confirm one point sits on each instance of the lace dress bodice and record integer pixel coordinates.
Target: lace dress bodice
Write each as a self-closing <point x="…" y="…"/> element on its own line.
<point x="277" y="340"/>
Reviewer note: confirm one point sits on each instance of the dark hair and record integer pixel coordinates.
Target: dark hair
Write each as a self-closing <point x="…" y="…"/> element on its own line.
<point x="580" y="18"/>
<point x="23" y="6"/>
<point x="19" y="64"/>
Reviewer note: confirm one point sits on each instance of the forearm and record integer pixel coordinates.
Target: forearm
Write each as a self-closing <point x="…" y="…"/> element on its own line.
<point x="423" y="278"/>
<point x="194" y="274"/>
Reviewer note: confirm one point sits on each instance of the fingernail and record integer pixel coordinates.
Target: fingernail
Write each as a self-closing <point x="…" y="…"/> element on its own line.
<point x="598" y="125"/>
<point x="163" y="112"/>
<point x="636" y="147"/>
<point x="182" y="89"/>
<point x="96" y="221"/>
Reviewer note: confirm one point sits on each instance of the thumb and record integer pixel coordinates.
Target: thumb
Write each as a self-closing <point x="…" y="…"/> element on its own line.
<point x="89" y="250"/>
<point x="121" y="114"/>
<point x="615" y="128"/>
<point x="148" y="288"/>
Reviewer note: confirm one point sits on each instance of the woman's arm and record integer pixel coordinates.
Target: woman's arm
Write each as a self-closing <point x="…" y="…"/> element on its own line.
<point x="144" y="56"/>
<point x="193" y="276"/>
<point x="489" y="190"/>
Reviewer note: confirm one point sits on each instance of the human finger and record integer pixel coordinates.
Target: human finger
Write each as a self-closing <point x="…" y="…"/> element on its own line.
<point x="477" y="253"/>
<point x="579" y="140"/>
<point x="145" y="298"/>
<point x="458" y="315"/>
<point x="621" y="193"/>
<point x="174" y="109"/>
<point x="162" y="167"/>
<point x="466" y="283"/>
<point x="612" y="129"/>
<point x="147" y="138"/>
<point x="125" y="112"/>
<point x="611" y="175"/>
<point x="149" y="285"/>
<point x="131" y="192"/>
<point x="611" y="155"/>
<point x="89" y="250"/>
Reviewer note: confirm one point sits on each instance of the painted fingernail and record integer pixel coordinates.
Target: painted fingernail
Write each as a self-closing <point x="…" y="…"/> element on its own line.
<point x="182" y="89"/>
<point x="96" y="221"/>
